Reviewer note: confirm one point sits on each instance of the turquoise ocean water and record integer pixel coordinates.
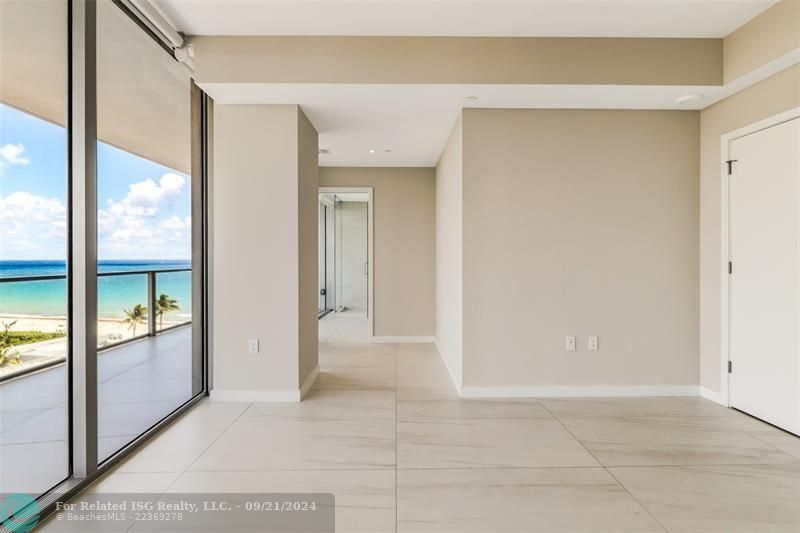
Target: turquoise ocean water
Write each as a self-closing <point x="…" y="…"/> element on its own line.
<point x="115" y="293"/>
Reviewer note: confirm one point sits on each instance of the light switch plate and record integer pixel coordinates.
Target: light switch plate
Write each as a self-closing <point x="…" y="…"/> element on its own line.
<point x="593" y="344"/>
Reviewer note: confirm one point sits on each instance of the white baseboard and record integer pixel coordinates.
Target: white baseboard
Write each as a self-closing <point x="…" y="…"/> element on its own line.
<point x="402" y="339"/>
<point x="453" y="377"/>
<point x="578" y="391"/>
<point x="309" y="382"/>
<point x="255" y="395"/>
<point x="712" y="395"/>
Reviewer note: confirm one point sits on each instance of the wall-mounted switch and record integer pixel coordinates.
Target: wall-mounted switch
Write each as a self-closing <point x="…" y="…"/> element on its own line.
<point x="252" y="346"/>
<point x="593" y="345"/>
<point x="570" y="344"/>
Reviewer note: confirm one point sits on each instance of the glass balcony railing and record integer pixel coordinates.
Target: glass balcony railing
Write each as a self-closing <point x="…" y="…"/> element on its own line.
<point x="131" y="305"/>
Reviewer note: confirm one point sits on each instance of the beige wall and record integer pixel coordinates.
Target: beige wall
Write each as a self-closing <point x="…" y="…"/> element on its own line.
<point x="263" y="177"/>
<point x="503" y="60"/>
<point x="580" y="222"/>
<point x="449" y="252"/>
<point x="308" y="213"/>
<point x="404" y="211"/>
<point x="769" y="36"/>
<point x="770" y="97"/>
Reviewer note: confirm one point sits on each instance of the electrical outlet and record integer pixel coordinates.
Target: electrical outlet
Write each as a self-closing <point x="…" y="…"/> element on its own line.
<point x="252" y="346"/>
<point x="593" y="345"/>
<point x="570" y="344"/>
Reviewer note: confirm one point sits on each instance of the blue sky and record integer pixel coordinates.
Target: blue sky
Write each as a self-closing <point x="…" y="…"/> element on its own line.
<point x="143" y="207"/>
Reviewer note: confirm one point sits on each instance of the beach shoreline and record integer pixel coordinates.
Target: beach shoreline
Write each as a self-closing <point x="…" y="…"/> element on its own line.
<point x="106" y="327"/>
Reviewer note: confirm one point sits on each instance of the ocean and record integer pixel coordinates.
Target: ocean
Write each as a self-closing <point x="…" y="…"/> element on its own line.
<point x="115" y="293"/>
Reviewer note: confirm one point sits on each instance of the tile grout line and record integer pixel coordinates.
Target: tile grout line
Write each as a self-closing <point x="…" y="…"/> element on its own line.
<point x="649" y="512"/>
<point x="186" y="470"/>
<point x="181" y="473"/>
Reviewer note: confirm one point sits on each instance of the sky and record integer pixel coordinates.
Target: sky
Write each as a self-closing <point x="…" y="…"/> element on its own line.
<point x="143" y="212"/>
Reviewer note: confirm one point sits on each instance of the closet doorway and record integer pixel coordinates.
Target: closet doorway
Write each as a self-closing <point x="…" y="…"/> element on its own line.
<point x="764" y="273"/>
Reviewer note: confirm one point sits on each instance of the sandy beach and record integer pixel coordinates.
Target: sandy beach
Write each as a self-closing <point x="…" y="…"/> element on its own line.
<point x="41" y="354"/>
<point x="106" y="327"/>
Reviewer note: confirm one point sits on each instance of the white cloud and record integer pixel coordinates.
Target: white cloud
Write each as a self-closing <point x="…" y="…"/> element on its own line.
<point x="145" y="197"/>
<point x="131" y="228"/>
<point x="33" y="226"/>
<point x="11" y="154"/>
<point x="137" y="227"/>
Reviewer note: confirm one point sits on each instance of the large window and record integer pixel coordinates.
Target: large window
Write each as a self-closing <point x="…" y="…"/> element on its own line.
<point x="34" y="430"/>
<point x="101" y="241"/>
<point x="144" y="238"/>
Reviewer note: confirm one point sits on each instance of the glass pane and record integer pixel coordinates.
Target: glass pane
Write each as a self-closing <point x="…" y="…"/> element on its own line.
<point x="144" y="230"/>
<point x="121" y="304"/>
<point x="173" y="299"/>
<point x="339" y="238"/>
<point x="34" y="423"/>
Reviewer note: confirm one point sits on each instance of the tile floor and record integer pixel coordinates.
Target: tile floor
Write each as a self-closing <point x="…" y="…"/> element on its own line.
<point x="346" y="326"/>
<point x="385" y="432"/>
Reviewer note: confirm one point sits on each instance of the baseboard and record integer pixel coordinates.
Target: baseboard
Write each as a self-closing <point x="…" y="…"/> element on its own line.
<point x="578" y="391"/>
<point x="712" y="395"/>
<point x="406" y="339"/>
<point x="235" y="395"/>
<point x="453" y="378"/>
<point x="309" y="382"/>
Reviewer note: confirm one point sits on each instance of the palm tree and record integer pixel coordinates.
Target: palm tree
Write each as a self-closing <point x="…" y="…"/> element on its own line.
<point x="135" y="316"/>
<point x="164" y="305"/>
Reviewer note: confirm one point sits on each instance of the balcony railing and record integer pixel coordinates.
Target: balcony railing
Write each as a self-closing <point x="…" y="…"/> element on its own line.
<point x="109" y="341"/>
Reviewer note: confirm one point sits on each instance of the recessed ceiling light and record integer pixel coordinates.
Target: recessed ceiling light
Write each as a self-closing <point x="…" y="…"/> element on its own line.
<point x="372" y="151"/>
<point x="388" y="150"/>
<point x="688" y="99"/>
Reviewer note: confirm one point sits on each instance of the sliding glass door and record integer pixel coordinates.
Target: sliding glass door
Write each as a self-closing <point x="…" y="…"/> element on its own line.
<point x="34" y="416"/>
<point x="144" y="223"/>
<point x="102" y="244"/>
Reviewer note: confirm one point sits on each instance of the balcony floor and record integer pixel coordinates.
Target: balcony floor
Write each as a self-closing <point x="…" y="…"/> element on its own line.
<point x="140" y="383"/>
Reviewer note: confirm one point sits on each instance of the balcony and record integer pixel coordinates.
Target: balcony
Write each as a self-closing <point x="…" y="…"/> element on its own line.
<point x="141" y="379"/>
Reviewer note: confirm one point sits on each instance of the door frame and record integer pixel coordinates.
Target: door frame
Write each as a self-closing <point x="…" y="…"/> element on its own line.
<point x="725" y="242"/>
<point x="370" y="251"/>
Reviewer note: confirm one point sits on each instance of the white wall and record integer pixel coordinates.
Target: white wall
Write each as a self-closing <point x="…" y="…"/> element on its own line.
<point x="352" y="230"/>
<point x="449" y="253"/>
<point x="265" y="193"/>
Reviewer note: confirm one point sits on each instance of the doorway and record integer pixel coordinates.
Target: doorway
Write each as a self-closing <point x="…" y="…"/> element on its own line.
<point x="764" y="273"/>
<point x="345" y="264"/>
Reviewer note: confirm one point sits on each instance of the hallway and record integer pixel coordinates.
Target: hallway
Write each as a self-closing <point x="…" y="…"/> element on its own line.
<point x="346" y="326"/>
<point x="385" y="432"/>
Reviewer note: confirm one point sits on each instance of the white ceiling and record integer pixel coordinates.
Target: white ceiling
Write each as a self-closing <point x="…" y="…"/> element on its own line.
<point x="414" y="121"/>
<point x="545" y="18"/>
<point x="408" y="125"/>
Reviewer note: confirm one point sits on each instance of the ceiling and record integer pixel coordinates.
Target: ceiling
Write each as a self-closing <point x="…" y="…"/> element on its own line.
<point x="408" y="125"/>
<point x="543" y="18"/>
<point x="357" y="124"/>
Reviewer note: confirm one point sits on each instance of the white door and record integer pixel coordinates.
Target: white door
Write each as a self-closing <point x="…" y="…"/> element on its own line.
<point x="765" y="278"/>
